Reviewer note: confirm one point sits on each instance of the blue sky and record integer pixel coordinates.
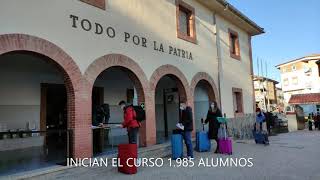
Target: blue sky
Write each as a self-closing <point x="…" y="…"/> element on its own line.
<point x="292" y="30"/>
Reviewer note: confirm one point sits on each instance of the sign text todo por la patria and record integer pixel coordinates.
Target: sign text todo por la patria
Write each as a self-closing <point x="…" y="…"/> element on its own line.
<point x="110" y="32"/>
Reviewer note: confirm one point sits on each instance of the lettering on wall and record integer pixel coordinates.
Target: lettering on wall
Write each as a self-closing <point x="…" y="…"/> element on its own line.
<point x="110" y="32"/>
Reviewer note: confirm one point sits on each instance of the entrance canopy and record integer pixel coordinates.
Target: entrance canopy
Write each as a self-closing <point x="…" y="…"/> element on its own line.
<point x="312" y="98"/>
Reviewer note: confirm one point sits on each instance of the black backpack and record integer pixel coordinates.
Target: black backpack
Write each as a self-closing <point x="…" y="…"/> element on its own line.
<point x="140" y="113"/>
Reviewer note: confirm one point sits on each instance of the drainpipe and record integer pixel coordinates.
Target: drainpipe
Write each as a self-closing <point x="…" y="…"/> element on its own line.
<point x="218" y="57"/>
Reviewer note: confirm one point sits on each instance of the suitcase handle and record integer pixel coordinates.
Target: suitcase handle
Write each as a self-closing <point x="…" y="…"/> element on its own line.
<point x="202" y="124"/>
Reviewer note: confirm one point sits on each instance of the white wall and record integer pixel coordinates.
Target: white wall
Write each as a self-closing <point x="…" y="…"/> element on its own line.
<point x="51" y="20"/>
<point x="236" y="74"/>
<point x="20" y="78"/>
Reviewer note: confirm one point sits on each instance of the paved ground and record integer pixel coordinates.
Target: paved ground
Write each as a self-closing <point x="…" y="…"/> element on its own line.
<point x="293" y="156"/>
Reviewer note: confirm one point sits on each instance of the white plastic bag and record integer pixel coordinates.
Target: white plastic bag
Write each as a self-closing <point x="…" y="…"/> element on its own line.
<point x="180" y="126"/>
<point x="222" y="132"/>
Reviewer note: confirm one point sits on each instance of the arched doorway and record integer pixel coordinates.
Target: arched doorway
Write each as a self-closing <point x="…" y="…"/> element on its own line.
<point x="33" y="98"/>
<point x="204" y="91"/>
<point x="170" y="88"/>
<point x="114" y="78"/>
<point x="29" y="65"/>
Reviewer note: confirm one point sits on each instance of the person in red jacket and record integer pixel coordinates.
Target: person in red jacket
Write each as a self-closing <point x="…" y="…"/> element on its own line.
<point x="130" y="122"/>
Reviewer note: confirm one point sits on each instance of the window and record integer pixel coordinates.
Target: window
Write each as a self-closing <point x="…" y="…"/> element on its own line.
<point x="284" y="69"/>
<point x="286" y="82"/>
<point x="288" y="109"/>
<point x="295" y="80"/>
<point x="294" y="67"/>
<point x="318" y="63"/>
<point x="234" y="44"/>
<point x="97" y="3"/>
<point x="186" y="28"/>
<point x="237" y="100"/>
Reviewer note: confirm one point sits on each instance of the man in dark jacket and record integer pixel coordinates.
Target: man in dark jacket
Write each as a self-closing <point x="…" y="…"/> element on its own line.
<point x="130" y="122"/>
<point x="269" y="120"/>
<point x="187" y="121"/>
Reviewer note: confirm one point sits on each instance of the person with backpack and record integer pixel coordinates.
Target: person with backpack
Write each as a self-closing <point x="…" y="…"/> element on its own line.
<point x="186" y="120"/>
<point x="130" y="121"/>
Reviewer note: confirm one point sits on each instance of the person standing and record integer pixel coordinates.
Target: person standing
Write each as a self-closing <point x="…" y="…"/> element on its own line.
<point x="214" y="125"/>
<point x="260" y="119"/>
<point x="186" y="120"/>
<point x="269" y="120"/>
<point x="310" y="122"/>
<point x="130" y="122"/>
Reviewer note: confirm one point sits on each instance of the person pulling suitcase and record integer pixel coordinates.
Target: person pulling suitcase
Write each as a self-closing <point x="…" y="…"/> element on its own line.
<point x="128" y="153"/>
<point x="214" y="125"/>
<point x="260" y="134"/>
<point x="186" y="120"/>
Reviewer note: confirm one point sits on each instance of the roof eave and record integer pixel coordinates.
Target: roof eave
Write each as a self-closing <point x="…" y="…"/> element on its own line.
<point x="231" y="13"/>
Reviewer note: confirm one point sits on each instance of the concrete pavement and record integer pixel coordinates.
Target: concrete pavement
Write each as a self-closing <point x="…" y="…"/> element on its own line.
<point x="293" y="156"/>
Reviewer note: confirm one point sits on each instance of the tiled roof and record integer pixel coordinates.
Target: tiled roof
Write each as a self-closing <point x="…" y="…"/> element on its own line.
<point x="312" y="98"/>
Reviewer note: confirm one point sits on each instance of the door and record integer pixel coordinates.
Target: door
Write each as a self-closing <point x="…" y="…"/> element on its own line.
<point x="171" y="110"/>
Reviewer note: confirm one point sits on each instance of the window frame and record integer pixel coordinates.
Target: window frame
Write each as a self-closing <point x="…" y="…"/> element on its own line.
<point x="182" y="6"/>
<point x="239" y="104"/>
<point x="286" y="80"/>
<point x="295" y="80"/>
<point x="284" y="69"/>
<point x="318" y="65"/>
<point x="100" y="5"/>
<point x="237" y="54"/>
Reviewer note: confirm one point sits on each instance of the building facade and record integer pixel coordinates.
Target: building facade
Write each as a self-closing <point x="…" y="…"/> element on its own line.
<point x="61" y="60"/>
<point x="266" y="93"/>
<point x="280" y="99"/>
<point x="300" y="76"/>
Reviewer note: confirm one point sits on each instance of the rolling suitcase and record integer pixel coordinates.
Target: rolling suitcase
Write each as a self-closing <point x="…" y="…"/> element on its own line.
<point x="176" y="146"/>
<point x="225" y="146"/>
<point x="260" y="138"/>
<point x="225" y="143"/>
<point x="126" y="151"/>
<point x="203" y="143"/>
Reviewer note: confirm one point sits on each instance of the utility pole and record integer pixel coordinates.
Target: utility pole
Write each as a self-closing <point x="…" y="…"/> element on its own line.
<point x="268" y="106"/>
<point x="263" y="86"/>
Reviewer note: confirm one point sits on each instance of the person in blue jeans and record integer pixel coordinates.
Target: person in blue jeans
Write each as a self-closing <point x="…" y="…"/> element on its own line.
<point x="187" y="121"/>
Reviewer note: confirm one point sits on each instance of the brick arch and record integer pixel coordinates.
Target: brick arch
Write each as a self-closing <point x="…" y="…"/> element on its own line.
<point x="136" y="75"/>
<point x="181" y="82"/>
<point x="209" y="84"/>
<point x="69" y="69"/>
<point x="175" y="74"/>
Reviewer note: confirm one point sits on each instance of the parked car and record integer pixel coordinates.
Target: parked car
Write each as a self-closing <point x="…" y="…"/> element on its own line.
<point x="280" y="124"/>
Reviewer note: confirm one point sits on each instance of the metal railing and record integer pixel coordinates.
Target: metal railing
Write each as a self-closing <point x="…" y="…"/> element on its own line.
<point x="24" y="150"/>
<point x="241" y="127"/>
<point x="106" y="138"/>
